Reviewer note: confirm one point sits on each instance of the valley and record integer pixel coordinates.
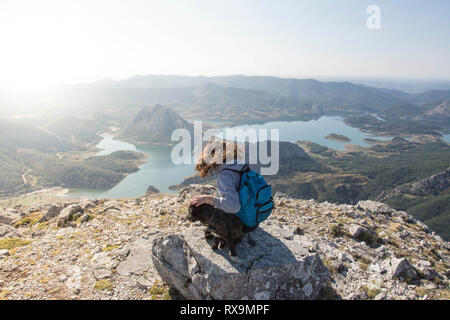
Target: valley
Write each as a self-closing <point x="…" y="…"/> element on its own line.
<point x="361" y="142"/>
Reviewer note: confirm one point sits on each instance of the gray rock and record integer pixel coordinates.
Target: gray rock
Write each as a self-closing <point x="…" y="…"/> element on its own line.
<point x="375" y="207"/>
<point x="7" y="231"/>
<point x="54" y="211"/>
<point x="196" y="190"/>
<point x="144" y="283"/>
<point x="85" y="218"/>
<point x="401" y="269"/>
<point x="9" y="216"/>
<point x="102" y="273"/>
<point x="5" y="219"/>
<point x="86" y="204"/>
<point x="266" y="267"/>
<point x="69" y="214"/>
<point x="376" y="268"/>
<point x="279" y="196"/>
<point x="123" y="252"/>
<point x="356" y="231"/>
<point x="424" y="227"/>
<point x="360" y="294"/>
<point x="425" y="268"/>
<point x="139" y="258"/>
<point x="404" y="216"/>
<point x="3" y="252"/>
<point x="381" y="296"/>
<point x="73" y="282"/>
<point x="400" y="214"/>
<point x="103" y="260"/>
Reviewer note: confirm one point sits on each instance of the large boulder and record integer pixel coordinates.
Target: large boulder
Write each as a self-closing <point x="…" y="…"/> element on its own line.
<point x="271" y="263"/>
<point x="401" y="269"/>
<point x="356" y="231"/>
<point x="69" y="214"/>
<point x="54" y="211"/>
<point x="375" y="207"/>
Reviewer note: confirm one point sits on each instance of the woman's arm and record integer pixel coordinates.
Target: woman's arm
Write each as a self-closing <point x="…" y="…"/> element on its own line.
<point x="228" y="200"/>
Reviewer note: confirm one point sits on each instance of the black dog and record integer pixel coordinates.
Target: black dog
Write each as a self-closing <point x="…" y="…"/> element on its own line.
<point x="225" y="227"/>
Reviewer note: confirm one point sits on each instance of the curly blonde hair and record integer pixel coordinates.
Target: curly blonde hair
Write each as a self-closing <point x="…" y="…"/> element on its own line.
<point x="214" y="154"/>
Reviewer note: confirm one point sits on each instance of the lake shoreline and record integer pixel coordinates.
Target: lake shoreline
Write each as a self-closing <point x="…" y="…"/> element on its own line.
<point x="167" y="177"/>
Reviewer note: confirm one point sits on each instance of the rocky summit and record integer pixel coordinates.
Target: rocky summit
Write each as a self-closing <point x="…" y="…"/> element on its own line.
<point x="271" y="263"/>
<point x="145" y="248"/>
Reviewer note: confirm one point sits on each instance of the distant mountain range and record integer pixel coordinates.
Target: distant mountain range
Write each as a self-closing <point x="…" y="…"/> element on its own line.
<point x="246" y="98"/>
<point x="235" y="98"/>
<point x="309" y="90"/>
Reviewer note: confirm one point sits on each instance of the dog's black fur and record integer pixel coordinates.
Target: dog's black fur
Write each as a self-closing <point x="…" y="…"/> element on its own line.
<point x="223" y="226"/>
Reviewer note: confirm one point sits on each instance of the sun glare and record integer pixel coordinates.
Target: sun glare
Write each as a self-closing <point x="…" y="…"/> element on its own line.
<point x="42" y="47"/>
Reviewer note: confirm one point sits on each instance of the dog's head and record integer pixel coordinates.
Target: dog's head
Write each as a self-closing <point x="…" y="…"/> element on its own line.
<point x="201" y="213"/>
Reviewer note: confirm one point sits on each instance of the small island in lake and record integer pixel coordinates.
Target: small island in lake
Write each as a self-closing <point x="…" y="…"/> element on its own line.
<point x="371" y="140"/>
<point x="337" y="137"/>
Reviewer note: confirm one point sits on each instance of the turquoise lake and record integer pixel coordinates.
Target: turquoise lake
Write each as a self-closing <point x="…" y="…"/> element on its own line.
<point x="160" y="172"/>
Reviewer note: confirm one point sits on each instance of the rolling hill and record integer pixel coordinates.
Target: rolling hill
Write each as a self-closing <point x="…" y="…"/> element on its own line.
<point x="154" y="124"/>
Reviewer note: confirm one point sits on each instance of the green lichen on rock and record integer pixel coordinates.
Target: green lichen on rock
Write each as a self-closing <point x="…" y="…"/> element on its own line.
<point x="373" y="292"/>
<point x="30" y="221"/>
<point x="103" y="284"/>
<point x="11" y="243"/>
<point x="111" y="248"/>
<point x="159" y="292"/>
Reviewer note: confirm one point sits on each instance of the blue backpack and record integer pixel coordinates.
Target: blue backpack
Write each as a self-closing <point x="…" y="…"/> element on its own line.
<point x="255" y="196"/>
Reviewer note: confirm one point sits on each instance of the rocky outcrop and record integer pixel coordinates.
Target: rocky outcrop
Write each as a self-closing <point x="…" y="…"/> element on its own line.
<point x="52" y="212"/>
<point x="194" y="190"/>
<point x="375" y="207"/>
<point x="7" y="231"/>
<point x="69" y="214"/>
<point x="113" y="249"/>
<point x="273" y="264"/>
<point x="10" y="216"/>
<point x="401" y="269"/>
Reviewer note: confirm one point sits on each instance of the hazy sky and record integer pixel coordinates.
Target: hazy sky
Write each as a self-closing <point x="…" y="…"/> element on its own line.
<point x="49" y="42"/>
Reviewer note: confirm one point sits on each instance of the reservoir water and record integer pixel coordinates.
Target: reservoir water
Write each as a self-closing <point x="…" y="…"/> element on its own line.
<point x="160" y="172"/>
<point x="315" y="131"/>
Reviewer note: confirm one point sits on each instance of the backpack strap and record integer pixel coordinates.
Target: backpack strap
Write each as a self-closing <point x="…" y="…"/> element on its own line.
<point x="245" y="168"/>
